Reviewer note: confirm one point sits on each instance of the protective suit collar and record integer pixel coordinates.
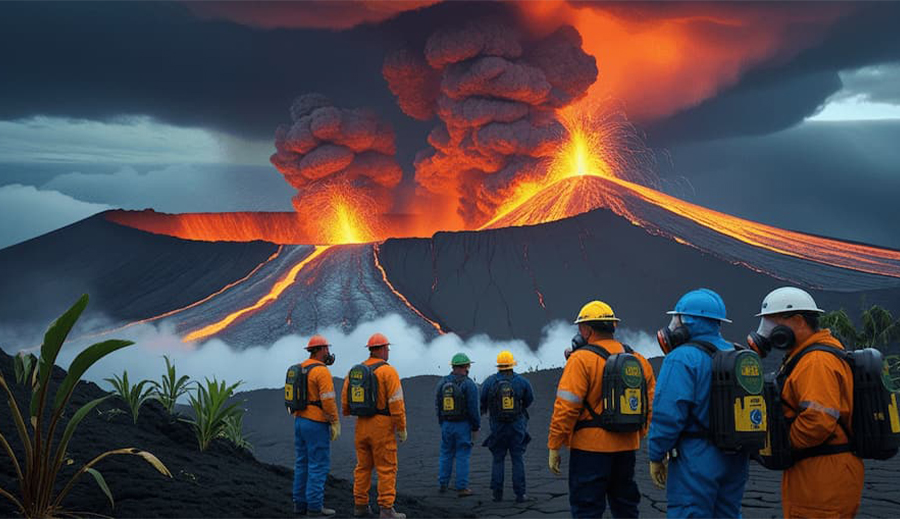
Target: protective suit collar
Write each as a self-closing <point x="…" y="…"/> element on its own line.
<point x="701" y="327"/>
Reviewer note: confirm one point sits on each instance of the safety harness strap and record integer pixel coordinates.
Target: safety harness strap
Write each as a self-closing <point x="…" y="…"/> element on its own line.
<point x="820" y="450"/>
<point x="387" y="410"/>
<point x="306" y="370"/>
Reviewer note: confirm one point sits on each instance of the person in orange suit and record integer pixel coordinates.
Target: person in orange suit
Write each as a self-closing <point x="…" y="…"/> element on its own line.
<point x="313" y="427"/>
<point x="827" y="481"/>
<point x="377" y="435"/>
<point x="601" y="462"/>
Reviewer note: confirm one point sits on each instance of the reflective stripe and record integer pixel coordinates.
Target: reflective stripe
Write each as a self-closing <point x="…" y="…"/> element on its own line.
<point x="398" y="395"/>
<point x="568" y="396"/>
<point x="326" y="395"/>
<point x="815" y="406"/>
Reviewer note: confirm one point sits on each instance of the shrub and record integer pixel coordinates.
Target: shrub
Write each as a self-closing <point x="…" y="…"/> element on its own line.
<point x="133" y="396"/>
<point x="44" y="457"/>
<point x="170" y="388"/>
<point x="211" y="410"/>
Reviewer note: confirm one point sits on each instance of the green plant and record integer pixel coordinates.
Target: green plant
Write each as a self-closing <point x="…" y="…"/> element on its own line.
<point x="133" y="395"/>
<point x="24" y="365"/>
<point x="43" y="457"/>
<point x="234" y="431"/>
<point x="171" y="388"/>
<point x="879" y="328"/>
<point x="211" y="409"/>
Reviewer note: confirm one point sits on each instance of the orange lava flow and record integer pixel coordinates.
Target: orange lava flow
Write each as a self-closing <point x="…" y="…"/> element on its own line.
<point x="400" y="296"/>
<point x="280" y="286"/>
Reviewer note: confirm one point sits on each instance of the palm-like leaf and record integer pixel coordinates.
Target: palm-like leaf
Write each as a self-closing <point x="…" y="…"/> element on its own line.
<point x="211" y="410"/>
<point x="840" y="324"/>
<point x="171" y="387"/>
<point x="133" y="395"/>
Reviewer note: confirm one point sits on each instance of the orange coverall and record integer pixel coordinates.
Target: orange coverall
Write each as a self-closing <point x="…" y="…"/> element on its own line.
<point x="580" y="385"/>
<point x="376" y="445"/>
<point x="319" y="386"/>
<point x="821" y="388"/>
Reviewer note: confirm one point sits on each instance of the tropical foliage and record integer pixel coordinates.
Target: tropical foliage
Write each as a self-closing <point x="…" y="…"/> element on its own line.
<point x="134" y="396"/>
<point x="171" y="387"/>
<point x="212" y="410"/>
<point x="44" y="456"/>
<point x="234" y="431"/>
<point x="879" y="328"/>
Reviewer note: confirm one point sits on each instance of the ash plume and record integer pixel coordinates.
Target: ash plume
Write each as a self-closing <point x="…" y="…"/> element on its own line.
<point x="494" y="92"/>
<point x="326" y="147"/>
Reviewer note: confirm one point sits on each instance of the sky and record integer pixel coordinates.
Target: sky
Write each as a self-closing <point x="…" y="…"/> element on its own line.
<point x="793" y="121"/>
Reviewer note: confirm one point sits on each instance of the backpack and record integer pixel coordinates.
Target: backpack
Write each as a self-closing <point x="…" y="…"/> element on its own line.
<point x="875" y="422"/>
<point x="623" y="393"/>
<point x="506" y="406"/>
<point x="453" y="401"/>
<point x="296" y="388"/>
<point x="362" y="393"/>
<point x="737" y="405"/>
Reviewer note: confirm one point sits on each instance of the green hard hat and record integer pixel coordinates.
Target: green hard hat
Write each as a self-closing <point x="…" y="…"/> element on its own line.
<point x="460" y="359"/>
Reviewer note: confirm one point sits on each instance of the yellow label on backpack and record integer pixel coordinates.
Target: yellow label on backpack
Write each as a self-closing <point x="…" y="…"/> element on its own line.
<point x="895" y="415"/>
<point x="288" y="391"/>
<point x="508" y="403"/>
<point x="357" y="394"/>
<point x="630" y="401"/>
<point x="750" y="414"/>
<point x="448" y="403"/>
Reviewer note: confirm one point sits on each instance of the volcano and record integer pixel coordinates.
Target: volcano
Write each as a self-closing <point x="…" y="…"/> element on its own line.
<point x="638" y="250"/>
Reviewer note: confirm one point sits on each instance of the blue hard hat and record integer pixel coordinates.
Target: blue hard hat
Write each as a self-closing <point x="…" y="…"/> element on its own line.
<point x="702" y="302"/>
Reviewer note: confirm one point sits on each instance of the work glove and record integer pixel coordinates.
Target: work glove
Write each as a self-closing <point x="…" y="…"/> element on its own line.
<point x="659" y="472"/>
<point x="554" y="461"/>
<point x="335" y="428"/>
<point x="401" y="435"/>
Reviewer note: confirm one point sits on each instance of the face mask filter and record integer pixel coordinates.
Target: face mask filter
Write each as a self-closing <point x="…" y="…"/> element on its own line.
<point x="673" y="335"/>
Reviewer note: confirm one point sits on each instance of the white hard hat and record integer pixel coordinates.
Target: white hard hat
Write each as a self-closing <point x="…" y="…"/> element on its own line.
<point x="788" y="299"/>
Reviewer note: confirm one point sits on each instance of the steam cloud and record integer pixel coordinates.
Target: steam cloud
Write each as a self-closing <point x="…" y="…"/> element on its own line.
<point x="326" y="147"/>
<point x="264" y="366"/>
<point x="495" y="94"/>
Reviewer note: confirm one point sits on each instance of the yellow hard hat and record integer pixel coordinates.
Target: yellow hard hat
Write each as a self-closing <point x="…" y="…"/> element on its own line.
<point x="596" y="311"/>
<point x="505" y="359"/>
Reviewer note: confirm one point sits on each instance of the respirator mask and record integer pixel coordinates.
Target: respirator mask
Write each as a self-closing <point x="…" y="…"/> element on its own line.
<point x="770" y="335"/>
<point x="577" y="342"/>
<point x="673" y="335"/>
<point x="329" y="359"/>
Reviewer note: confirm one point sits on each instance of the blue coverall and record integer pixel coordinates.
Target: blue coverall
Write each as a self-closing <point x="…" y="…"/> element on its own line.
<point x="506" y="437"/>
<point x="456" y="436"/>
<point x="703" y="480"/>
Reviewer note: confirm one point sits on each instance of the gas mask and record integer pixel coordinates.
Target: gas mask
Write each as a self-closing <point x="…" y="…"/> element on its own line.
<point x="577" y="342"/>
<point x="673" y="335"/>
<point x="770" y="335"/>
<point x="329" y="359"/>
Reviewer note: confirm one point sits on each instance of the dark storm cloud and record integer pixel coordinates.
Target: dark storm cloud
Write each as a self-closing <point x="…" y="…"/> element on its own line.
<point x="835" y="179"/>
<point x="776" y="97"/>
<point x="877" y="84"/>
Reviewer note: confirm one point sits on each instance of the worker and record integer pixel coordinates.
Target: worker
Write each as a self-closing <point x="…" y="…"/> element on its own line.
<point x="703" y="481"/>
<point x="507" y="395"/>
<point x="456" y="403"/>
<point x="602" y="442"/>
<point x="314" y="425"/>
<point x="372" y="392"/>
<point x="826" y="479"/>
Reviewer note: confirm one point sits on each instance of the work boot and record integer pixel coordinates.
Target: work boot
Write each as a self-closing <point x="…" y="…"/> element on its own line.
<point x="324" y="512"/>
<point x="523" y="499"/>
<point x="465" y="493"/>
<point x="498" y="496"/>
<point x="361" y="511"/>
<point x="390" y="513"/>
<point x="299" y="508"/>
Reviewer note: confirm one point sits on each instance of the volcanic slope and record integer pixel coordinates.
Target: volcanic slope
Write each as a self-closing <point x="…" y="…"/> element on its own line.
<point x="510" y="282"/>
<point x="223" y="481"/>
<point x="130" y="274"/>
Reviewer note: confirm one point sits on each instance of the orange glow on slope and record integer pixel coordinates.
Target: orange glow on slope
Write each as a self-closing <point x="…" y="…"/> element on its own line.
<point x="280" y="286"/>
<point x="400" y="296"/>
<point x="563" y="194"/>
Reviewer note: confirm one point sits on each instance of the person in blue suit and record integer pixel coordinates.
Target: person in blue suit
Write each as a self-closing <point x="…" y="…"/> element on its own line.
<point x="703" y="481"/>
<point x="506" y="395"/>
<point x="456" y="403"/>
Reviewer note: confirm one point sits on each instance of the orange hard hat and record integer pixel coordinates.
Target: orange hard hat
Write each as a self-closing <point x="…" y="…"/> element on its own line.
<point x="316" y="341"/>
<point x="377" y="340"/>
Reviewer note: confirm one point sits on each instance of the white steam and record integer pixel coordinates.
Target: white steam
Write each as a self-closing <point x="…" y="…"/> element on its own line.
<point x="264" y="366"/>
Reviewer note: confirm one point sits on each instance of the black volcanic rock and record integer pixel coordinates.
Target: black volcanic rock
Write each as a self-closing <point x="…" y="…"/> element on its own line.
<point x="224" y="481"/>
<point x="130" y="274"/>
